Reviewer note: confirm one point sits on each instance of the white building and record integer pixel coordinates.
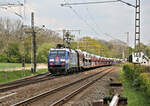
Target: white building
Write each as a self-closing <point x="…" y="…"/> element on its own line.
<point x="140" y="58"/>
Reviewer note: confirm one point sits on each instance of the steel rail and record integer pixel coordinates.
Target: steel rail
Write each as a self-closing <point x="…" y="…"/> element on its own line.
<point x="55" y="90"/>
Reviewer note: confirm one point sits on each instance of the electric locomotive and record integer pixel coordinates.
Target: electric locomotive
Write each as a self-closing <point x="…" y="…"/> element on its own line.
<point x="62" y="61"/>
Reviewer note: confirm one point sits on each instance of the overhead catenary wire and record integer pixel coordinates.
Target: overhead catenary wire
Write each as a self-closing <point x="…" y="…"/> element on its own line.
<point x="97" y="26"/>
<point x="67" y="4"/>
<point x="81" y="18"/>
<point x="88" y="25"/>
<point x="93" y="29"/>
<point x="9" y="7"/>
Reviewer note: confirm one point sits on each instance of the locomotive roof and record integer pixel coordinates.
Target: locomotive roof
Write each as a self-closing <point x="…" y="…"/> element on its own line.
<point x="66" y="49"/>
<point x="79" y="50"/>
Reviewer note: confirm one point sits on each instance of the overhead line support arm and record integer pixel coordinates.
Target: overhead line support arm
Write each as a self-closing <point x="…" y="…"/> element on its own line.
<point x="69" y="4"/>
<point x="127" y="3"/>
<point x="11" y="5"/>
<point x="84" y="3"/>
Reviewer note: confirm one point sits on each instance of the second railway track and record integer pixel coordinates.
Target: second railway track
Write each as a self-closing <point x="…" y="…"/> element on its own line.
<point x="25" y="81"/>
<point x="60" y="95"/>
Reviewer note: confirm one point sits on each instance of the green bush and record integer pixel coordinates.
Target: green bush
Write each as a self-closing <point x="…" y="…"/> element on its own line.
<point x="12" y="54"/>
<point x="42" y="52"/>
<point x="145" y="82"/>
<point x="139" y="78"/>
<point x="3" y="58"/>
<point x="131" y="74"/>
<point x="128" y="70"/>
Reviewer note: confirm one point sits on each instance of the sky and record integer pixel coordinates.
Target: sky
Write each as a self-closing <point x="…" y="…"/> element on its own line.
<point x="99" y="21"/>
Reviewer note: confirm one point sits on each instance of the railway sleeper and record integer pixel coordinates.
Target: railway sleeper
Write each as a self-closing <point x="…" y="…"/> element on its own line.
<point x="115" y="88"/>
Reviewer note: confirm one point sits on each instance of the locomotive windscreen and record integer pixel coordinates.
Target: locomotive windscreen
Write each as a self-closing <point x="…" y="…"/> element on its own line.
<point x="54" y="53"/>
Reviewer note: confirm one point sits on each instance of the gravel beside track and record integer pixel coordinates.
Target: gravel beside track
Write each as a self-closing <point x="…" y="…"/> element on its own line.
<point x="28" y="91"/>
<point x="95" y="92"/>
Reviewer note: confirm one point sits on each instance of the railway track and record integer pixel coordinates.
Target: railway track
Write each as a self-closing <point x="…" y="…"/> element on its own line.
<point x="72" y="87"/>
<point x="29" y="80"/>
<point x="25" y="81"/>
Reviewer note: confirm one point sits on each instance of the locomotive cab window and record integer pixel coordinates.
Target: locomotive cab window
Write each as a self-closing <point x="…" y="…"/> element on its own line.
<point x="61" y="53"/>
<point x="53" y="53"/>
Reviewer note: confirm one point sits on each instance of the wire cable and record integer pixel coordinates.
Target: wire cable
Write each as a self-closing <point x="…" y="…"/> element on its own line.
<point x="92" y="28"/>
<point x="85" y="21"/>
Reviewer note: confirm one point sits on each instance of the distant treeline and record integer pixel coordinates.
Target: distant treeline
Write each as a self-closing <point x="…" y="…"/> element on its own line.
<point x="14" y="44"/>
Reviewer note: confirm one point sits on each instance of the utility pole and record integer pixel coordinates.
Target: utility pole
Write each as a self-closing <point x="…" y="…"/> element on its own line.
<point x="128" y="52"/>
<point x="67" y="37"/>
<point x="123" y="53"/>
<point x="33" y="54"/>
<point x="65" y="32"/>
<point x="127" y="38"/>
<point x="127" y="46"/>
<point x="33" y="42"/>
<point x="86" y="44"/>
<point x="101" y="51"/>
<point x="23" y="47"/>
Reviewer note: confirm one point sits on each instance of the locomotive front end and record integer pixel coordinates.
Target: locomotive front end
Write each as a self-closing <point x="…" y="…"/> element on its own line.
<point x="57" y="61"/>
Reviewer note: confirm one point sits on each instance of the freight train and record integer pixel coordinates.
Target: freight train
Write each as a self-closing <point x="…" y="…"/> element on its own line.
<point x="64" y="61"/>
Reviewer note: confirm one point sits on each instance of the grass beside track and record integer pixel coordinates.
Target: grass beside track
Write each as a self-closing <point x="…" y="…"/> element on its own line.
<point x="11" y="65"/>
<point x="15" y="75"/>
<point x="135" y="97"/>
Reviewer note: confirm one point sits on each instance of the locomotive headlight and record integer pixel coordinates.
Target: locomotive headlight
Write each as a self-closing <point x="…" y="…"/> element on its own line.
<point x="62" y="60"/>
<point x="51" y="60"/>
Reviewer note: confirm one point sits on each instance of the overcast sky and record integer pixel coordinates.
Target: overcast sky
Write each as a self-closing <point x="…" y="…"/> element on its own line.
<point x="114" y="19"/>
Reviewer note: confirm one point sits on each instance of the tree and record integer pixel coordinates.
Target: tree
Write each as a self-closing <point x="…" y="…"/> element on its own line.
<point x="42" y="52"/>
<point x="9" y="31"/>
<point x="28" y="48"/>
<point x="92" y="46"/>
<point x="13" y="53"/>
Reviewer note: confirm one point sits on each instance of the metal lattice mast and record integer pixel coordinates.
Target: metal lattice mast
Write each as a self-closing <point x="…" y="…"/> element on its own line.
<point x="137" y="26"/>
